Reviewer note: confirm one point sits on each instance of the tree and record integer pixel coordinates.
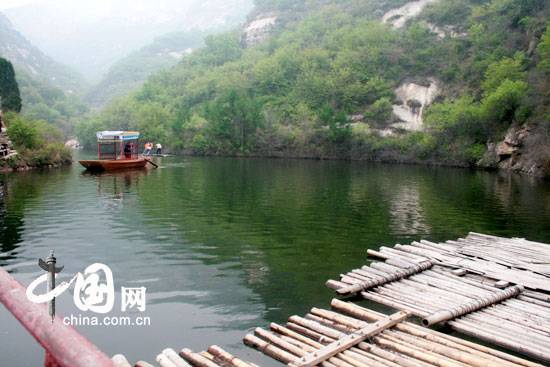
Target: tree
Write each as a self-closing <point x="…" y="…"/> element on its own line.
<point x="504" y="69"/>
<point x="502" y="105"/>
<point x="381" y="110"/>
<point x="9" y="90"/>
<point x="233" y="118"/>
<point x="23" y="132"/>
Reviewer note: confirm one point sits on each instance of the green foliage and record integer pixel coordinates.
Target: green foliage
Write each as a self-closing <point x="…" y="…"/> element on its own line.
<point x="220" y="49"/>
<point x="504" y="69"/>
<point x="380" y="111"/>
<point x="338" y="125"/>
<point x="474" y="153"/>
<point x="42" y="101"/>
<point x="130" y="72"/>
<point x="292" y="94"/>
<point x="9" y="89"/>
<point x="448" y="12"/>
<point x="467" y="119"/>
<point x="31" y="134"/>
<point x="458" y="117"/>
<point x="86" y="131"/>
<point x="23" y="133"/>
<point x="46" y="155"/>
<point x="502" y="105"/>
<point x="544" y="51"/>
<point x="233" y="118"/>
<point x="37" y="142"/>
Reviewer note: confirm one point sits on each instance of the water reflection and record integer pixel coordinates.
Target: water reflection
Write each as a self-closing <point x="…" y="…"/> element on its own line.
<point x="224" y="245"/>
<point x="406" y="211"/>
<point x="15" y="192"/>
<point x="112" y="186"/>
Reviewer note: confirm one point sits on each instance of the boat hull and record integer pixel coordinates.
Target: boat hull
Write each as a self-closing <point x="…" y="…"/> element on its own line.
<point x="113" y="165"/>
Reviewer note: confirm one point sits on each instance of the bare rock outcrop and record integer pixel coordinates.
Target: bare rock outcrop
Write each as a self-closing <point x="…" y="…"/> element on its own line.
<point x="398" y="17"/>
<point x="72" y="143"/>
<point x="413" y="98"/>
<point x="6" y="146"/>
<point x="259" y="29"/>
<point x="446" y="31"/>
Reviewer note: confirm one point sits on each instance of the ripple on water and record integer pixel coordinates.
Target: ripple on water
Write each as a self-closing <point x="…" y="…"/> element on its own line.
<point x="228" y="244"/>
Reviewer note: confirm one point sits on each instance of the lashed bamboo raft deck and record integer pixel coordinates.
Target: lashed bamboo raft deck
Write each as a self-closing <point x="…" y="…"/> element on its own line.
<point x="493" y="288"/>
<point x="460" y="282"/>
<point x="349" y="336"/>
<point x="214" y="357"/>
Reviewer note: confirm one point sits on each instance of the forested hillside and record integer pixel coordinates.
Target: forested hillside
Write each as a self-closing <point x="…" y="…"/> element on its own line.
<point x="461" y="82"/>
<point x="130" y="72"/>
<point x="28" y="143"/>
<point x="49" y="90"/>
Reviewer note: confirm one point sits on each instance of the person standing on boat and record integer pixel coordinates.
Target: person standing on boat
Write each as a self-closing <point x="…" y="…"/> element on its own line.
<point x="148" y="148"/>
<point x="159" y="149"/>
<point x="128" y="151"/>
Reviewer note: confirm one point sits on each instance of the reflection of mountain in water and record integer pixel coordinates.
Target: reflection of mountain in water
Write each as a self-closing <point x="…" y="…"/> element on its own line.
<point x="12" y="203"/>
<point x="223" y="245"/>
<point x="406" y="211"/>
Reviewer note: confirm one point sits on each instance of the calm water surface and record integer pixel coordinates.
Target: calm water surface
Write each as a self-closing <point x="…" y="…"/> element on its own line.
<point x="224" y="245"/>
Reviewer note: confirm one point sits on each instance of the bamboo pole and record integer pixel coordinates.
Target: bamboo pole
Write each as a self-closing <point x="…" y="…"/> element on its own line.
<point x="455" y="354"/>
<point x="467" y="346"/>
<point x="120" y="360"/>
<point x="432" y="359"/>
<point x="309" y="333"/>
<point x="143" y="364"/>
<point x="164" y="361"/>
<point x="196" y="359"/>
<point x="348" y="341"/>
<point x="445" y="315"/>
<point x="386" y="357"/>
<point x="268" y="349"/>
<point x="390" y="356"/>
<point x="279" y="342"/>
<point x="285" y="331"/>
<point x="208" y="356"/>
<point x="315" y="326"/>
<point x="506" y="341"/>
<point x="389" y="278"/>
<point x="175" y="358"/>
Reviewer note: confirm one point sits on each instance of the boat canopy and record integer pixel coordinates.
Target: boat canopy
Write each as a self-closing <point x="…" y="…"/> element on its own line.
<point x="116" y="136"/>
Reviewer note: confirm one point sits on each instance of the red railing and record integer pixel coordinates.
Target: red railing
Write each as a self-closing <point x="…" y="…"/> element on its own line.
<point x="64" y="346"/>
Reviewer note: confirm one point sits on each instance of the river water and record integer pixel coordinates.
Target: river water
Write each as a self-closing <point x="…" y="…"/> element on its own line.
<point x="224" y="245"/>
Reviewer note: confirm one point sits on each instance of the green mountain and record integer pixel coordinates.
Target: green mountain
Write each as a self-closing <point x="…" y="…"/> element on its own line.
<point x="456" y="82"/>
<point x="130" y="72"/>
<point x="91" y="36"/>
<point x="49" y="90"/>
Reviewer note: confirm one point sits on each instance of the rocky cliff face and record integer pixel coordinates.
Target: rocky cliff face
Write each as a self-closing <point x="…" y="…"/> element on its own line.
<point x="6" y="146"/>
<point x="524" y="149"/>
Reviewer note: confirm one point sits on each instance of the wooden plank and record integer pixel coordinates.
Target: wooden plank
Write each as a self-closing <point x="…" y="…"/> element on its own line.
<point x="315" y="358"/>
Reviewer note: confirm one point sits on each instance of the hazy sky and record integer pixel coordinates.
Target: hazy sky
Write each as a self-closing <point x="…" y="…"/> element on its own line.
<point x="90" y="35"/>
<point x="6" y="4"/>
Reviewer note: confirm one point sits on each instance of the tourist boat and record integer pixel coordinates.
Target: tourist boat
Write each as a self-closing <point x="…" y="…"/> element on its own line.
<point x="116" y="150"/>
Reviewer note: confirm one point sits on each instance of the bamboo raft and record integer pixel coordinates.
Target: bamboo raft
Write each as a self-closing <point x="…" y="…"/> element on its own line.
<point x="492" y="288"/>
<point x="214" y="357"/>
<point x="348" y="336"/>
